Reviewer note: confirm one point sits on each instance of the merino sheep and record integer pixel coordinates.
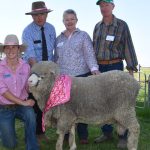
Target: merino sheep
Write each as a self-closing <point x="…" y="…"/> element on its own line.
<point x="106" y="98"/>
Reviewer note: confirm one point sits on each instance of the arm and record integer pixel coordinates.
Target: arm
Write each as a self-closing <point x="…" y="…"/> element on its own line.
<point x="129" y="51"/>
<point x="51" y="33"/>
<point x="55" y="50"/>
<point x="54" y="43"/>
<point x="89" y="54"/>
<point x="29" y="54"/>
<point x="96" y="37"/>
<point x="32" y="61"/>
<point x="8" y="95"/>
<point x="6" y="88"/>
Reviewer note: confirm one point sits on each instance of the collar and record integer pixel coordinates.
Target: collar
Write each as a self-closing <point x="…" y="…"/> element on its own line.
<point x="38" y="27"/>
<point x="76" y="30"/>
<point x="4" y="62"/>
<point x="114" y="21"/>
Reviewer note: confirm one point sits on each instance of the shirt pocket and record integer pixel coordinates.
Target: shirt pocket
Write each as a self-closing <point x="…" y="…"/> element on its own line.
<point x="37" y="44"/>
<point x="7" y="78"/>
<point x="117" y="40"/>
<point x="22" y="79"/>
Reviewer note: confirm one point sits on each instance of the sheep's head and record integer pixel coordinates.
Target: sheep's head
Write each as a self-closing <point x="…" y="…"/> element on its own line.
<point x="42" y="78"/>
<point x="34" y="79"/>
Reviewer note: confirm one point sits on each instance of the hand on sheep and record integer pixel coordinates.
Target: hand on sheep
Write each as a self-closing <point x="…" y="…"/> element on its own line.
<point x="32" y="61"/>
<point x="95" y="72"/>
<point x="29" y="102"/>
<point x="131" y="72"/>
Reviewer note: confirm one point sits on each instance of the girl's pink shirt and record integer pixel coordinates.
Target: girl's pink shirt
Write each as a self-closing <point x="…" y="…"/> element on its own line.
<point x="16" y="83"/>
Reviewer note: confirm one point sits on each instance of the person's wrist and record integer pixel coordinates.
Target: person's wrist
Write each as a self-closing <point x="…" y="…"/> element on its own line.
<point x="131" y="72"/>
<point x="23" y="103"/>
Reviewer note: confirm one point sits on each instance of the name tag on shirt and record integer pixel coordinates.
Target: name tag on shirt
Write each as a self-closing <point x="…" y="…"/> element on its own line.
<point x="110" y="38"/>
<point x="37" y="41"/>
<point x="7" y="75"/>
<point x="60" y="44"/>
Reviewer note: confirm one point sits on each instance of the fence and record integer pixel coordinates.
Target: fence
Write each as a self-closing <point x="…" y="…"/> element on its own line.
<point x="149" y="90"/>
<point x="143" y="78"/>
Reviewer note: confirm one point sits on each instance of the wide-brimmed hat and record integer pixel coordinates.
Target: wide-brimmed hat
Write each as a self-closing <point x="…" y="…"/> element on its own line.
<point x="38" y="8"/>
<point x="12" y="39"/>
<point x="107" y="1"/>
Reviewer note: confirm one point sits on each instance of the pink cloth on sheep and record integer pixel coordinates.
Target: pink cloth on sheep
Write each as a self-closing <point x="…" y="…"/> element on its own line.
<point x="60" y="94"/>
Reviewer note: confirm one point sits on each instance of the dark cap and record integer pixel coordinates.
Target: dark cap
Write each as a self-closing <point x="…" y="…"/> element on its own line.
<point x="38" y="8"/>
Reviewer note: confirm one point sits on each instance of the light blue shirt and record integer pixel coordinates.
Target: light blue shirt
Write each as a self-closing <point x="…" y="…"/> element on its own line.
<point x="33" y="38"/>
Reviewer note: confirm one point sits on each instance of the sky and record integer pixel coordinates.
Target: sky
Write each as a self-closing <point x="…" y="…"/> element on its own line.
<point x="135" y="13"/>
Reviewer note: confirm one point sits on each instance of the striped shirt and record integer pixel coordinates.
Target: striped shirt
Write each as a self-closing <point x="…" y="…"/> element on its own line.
<point x="33" y="38"/>
<point x="75" y="54"/>
<point x="114" y="41"/>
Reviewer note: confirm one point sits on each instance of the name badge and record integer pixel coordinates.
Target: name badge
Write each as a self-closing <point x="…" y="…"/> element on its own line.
<point x="37" y="41"/>
<point x="110" y="38"/>
<point x="7" y="75"/>
<point x="60" y="44"/>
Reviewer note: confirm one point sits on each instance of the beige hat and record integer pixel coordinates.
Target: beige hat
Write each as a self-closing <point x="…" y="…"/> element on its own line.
<point x="12" y="39"/>
<point x="38" y="7"/>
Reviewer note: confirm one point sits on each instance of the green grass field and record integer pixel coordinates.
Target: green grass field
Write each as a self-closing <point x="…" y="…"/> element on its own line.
<point x="143" y="115"/>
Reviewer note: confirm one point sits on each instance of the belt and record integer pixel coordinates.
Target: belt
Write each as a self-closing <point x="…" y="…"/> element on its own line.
<point x="9" y="106"/>
<point x="107" y="62"/>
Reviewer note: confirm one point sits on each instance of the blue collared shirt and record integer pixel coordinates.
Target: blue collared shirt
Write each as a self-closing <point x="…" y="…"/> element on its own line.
<point x="32" y="37"/>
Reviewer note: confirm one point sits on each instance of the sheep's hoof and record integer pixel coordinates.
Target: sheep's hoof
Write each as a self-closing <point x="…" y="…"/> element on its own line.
<point x="74" y="147"/>
<point x="122" y="144"/>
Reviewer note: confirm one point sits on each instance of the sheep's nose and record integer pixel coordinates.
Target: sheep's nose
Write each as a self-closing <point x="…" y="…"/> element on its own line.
<point x="30" y="82"/>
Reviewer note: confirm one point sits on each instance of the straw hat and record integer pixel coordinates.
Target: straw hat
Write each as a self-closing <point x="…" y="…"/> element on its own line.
<point x="12" y="39"/>
<point x="38" y="8"/>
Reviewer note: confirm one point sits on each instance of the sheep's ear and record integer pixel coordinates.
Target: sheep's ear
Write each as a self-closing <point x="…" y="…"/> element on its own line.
<point x="54" y="69"/>
<point x="41" y="77"/>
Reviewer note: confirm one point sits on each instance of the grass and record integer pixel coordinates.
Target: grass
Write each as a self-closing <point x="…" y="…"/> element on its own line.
<point x="144" y="144"/>
<point x="143" y="115"/>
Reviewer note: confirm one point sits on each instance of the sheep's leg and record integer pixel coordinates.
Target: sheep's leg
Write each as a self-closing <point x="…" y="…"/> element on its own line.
<point x="120" y="129"/>
<point x="59" y="144"/>
<point x="133" y="129"/>
<point x="133" y="136"/>
<point x="72" y="142"/>
<point x="129" y="121"/>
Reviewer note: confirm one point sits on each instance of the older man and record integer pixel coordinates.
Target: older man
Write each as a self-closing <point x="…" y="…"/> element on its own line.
<point x="40" y="37"/>
<point x="112" y="43"/>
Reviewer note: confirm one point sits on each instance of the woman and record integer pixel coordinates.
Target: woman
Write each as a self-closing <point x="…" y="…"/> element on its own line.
<point x="14" y="73"/>
<point x="75" y="56"/>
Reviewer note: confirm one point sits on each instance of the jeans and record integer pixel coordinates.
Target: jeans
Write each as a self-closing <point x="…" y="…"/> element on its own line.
<point x="7" y="126"/>
<point x="107" y="129"/>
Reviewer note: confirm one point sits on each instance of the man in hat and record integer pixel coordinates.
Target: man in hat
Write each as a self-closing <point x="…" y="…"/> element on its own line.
<point x="14" y="102"/>
<point x="40" y="37"/>
<point x="112" y="43"/>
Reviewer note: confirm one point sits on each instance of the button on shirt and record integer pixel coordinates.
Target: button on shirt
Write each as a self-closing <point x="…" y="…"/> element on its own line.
<point x="114" y="41"/>
<point x="33" y="38"/>
<point x="16" y="83"/>
<point x="75" y="54"/>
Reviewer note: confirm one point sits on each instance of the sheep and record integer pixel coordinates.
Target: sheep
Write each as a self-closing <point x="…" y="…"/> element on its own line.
<point x="109" y="97"/>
